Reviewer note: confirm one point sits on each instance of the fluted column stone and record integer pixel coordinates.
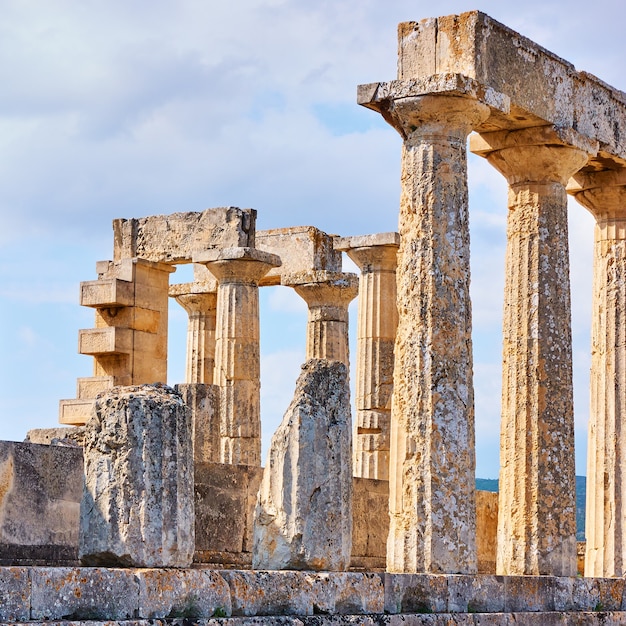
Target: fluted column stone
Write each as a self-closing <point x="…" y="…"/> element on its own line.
<point x="376" y="257"/>
<point x="201" y="307"/>
<point x="432" y="501"/>
<point x="537" y="501"/>
<point x="237" y="350"/>
<point x="604" y="195"/>
<point x="327" y="295"/>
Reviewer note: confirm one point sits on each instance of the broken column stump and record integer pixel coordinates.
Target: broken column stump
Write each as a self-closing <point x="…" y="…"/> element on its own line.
<point x="303" y="518"/>
<point x="138" y="504"/>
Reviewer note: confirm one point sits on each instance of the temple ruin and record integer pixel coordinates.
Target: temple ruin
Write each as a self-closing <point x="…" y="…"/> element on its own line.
<point x="391" y="526"/>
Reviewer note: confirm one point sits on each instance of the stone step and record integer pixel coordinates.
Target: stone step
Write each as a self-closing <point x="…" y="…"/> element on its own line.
<point x="110" y="340"/>
<point x="77" y="594"/>
<point x="553" y="618"/>
<point x="107" y="293"/>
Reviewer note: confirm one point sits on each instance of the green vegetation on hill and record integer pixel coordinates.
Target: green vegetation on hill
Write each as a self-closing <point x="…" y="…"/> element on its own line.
<point x="491" y="484"/>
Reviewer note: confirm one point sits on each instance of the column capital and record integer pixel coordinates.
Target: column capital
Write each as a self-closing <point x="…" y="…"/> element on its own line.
<point x="323" y="289"/>
<point x="237" y="265"/>
<point x="542" y="154"/>
<point x="371" y="252"/>
<point x="192" y="298"/>
<point x="603" y="194"/>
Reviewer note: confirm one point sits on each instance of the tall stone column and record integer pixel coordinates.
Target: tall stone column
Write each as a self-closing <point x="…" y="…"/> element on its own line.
<point x="604" y="195"/>
<point x="327" y="295"/>
<point x="537" y="502"/>
<point x="376" y="257"/>
<point x="432" y="501"/>
<point x="201" y="307"/>
<point x="237" y="352"/>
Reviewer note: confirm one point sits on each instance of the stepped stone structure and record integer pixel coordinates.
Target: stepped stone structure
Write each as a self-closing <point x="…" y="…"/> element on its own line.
<point x="402" y="504"/>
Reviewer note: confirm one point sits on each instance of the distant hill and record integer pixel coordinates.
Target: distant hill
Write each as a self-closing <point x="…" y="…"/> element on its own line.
<point x="491" y="484"/>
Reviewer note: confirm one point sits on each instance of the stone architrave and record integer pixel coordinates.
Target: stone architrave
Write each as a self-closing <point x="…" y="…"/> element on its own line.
<point x="237" y="350"/>
<point x="537" y="503"/>
<point x="303" y="517"/>
<point x="604" y="195"/>
<point x="137" y="508"/>
<point x="201" y="307"/>
<point x="376" y="257"/>
<point x="432" y="466"/>
<point x="327" y="295"/>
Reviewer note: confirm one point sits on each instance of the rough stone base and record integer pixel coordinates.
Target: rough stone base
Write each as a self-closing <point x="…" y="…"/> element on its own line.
<point x="200" y="596"/>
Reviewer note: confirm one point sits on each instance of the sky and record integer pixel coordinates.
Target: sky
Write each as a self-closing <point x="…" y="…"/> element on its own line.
<point x="116" y="108"/>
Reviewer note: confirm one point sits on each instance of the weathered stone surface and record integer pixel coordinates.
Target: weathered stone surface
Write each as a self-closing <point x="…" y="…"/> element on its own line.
<point x="83" y="593"/>
<point x="173" y="238"/>
<point x="431" y="476"/>
<point x="225" y="497"/>
<point x="40" y="490"/>
<point x="72" y="436"/>
<point x="203" y="402"/>
<point x="14" y="594"/>
<point x="536" y="524"/>
<point x="370" y="523"/>
<point x="300" y="248"/>
<point x="183" y="593"/>
<point x="138" y="507"/>
<point x="303" y="519"/>
<point x="539" y="84"/>
<point x="304" y="593"/>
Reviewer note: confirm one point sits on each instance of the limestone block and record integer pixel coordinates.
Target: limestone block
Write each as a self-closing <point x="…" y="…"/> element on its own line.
<point x="303" y="518"/>
<point x="173" y="238"/>
<point x="415" y="593"/>
<point x="137" y="507"/>
<point x="74" y="436"/>
<point x="304" y="593"/>
<point x="370" y="525"/>
<point x="203" y="402"/>
<point x="40" y="490"/>
<point x="109" y="340"/>
<point x="540" y="85"/>
<point x="74" y="412"/>
<point x="187" y="593"/>
<point x="83" y="593"/>
<point x="111" y="293"/>
<point x="89" y="387"/>
<point x="14" y="594"/>
<point x="225" y="499"/>
<point x="300" y="248"/>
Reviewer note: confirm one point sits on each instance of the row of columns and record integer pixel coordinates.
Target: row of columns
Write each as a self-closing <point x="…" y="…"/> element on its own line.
<point x="424" y="439"/>
<point x="432" y="504"/>
<point x="223" y="340"/>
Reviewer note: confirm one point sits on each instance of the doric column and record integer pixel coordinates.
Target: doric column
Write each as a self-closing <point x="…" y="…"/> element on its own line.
<point x="327" y="295"/>
<point x="537" y="502"/>
<point x="604" y="194"/>
<point x="376" y="257"/>
<point x="201" y="307"/>
<point x="432" y="467"/>
<point x="237" y="353"/>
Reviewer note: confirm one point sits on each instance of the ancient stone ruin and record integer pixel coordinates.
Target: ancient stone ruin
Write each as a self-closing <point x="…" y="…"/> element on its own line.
<point x="153" y="505"/>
